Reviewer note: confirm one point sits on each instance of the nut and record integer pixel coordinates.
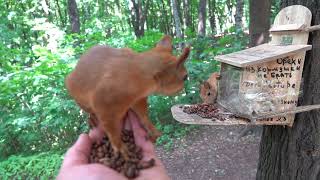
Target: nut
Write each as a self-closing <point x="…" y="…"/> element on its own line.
<point x="103" y="153"/>
<point x="204" y="110"/>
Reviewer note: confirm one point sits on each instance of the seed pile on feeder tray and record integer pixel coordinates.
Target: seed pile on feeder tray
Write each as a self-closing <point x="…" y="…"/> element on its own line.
<point x="102" y="153"/>
<point x="204" y="111"/>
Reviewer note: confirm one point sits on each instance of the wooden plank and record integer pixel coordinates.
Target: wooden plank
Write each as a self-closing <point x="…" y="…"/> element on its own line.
<point x="294" y="27"/>
<point x="286" y="112"/>
<point x="275" y="84"/>
<point x="261" y="54"/>
<point x="288" y="27"/>
<point x="313" y="28"/>
<point x="185" y="118"/>
<point x="295" y="14"/>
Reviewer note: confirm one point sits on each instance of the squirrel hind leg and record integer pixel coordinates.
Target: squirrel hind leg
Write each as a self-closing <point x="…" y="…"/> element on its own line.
<point x="93" y="121"/>
<point x="112" y="123"/>
<point x="141" y="110"/>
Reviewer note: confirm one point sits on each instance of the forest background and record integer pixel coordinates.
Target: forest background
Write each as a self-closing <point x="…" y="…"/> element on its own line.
<point x="41" y="41"/>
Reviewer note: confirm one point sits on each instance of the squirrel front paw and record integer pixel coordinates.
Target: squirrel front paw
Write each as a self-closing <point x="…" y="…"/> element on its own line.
<point x="153" y="135"/>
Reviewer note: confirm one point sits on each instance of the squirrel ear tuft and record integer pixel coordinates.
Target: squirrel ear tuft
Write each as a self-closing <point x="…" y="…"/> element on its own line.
<point x="184" y="56"/>
<point x="207" y="85"/>
<point x="165" y="43"/>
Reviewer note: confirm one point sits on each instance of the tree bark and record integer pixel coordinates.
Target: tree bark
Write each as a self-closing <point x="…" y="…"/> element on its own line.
<point x="187" y="14"/>
<point x="180" y="13"/>
<point x="230" y="5"/>
<point x="259" y="21"/>
<point x="212" y="17"/>
<point x="138" y="16"/>
<point x="106" y="7"/>
<point x="150" y="19"/>
<point x="164" y="14"/>
<point x="202" y="18"/>
<point x="170" y="19"/>
<point x="59" y="12"/>
<point x="239" y="14"/>
<point x="294" y="153"/>
<point x="74" y="16"/>
<point x="176" y="18"/>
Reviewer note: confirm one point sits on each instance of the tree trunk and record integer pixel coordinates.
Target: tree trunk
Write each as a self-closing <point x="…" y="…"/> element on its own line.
<point x="150" y="20"/>
<point x="202" y="18"/>
<point x="239" y="14"/>
<point x="138" y="16"/>
<point x="45" y="7"/>
<point x="259" y="21"/>
<point x="176" y="18"/>
<point x="180" y="13"/>
<point x="294" y="153"/>
<point x="229" y="4"/>
<point x="212" y="17"/>
<point x="165" y="17"/>
<point x="170" y="19"/>
<point x="59" y="12"/>
<point x="102" y="10"/>
<point x="187" y="14"/>
<point x="106" y="8"/>
<point x="74" y="16"/>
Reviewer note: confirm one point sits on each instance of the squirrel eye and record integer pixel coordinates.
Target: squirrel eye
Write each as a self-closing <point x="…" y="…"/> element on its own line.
<point x="185" y="77"/>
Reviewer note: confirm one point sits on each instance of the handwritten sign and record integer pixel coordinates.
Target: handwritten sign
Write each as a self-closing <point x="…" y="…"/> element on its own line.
<point x="274" y="86"/>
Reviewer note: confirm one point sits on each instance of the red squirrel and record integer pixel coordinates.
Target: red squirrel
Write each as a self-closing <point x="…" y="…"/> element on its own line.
<point x="209" y="89"/>
<point x="107" y="82"/>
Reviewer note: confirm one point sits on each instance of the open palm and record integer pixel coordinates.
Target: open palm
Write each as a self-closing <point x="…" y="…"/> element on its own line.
<point x="76" y="163"/>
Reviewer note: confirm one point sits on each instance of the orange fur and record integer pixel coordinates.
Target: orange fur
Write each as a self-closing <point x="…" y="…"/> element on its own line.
<point x="107" y="82"/>
<point x="209" y="89"/>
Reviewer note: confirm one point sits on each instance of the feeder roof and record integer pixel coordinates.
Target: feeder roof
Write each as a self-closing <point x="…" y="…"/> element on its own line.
<point x="260" y="54"/>
<point x="288" y="27"/>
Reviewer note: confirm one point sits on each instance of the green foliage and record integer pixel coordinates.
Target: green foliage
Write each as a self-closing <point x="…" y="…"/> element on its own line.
<point x="146" y="42"/>
<point x="34" y="104"/>
<point x="275" y="8"/>
<point x="38" y="51"/>
<point x="40" y="166"/>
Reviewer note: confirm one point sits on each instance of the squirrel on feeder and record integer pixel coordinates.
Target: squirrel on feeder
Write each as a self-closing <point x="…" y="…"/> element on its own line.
<point x="209" y="89"/>
<point x="107" y="82"/>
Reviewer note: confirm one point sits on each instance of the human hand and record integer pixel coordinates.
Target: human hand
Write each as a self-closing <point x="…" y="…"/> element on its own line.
<point x="156" y="172"/>
<point x="76" y="163"/>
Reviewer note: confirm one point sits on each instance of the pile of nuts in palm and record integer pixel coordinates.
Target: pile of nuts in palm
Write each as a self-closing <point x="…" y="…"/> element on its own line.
<point x="103" y="153"/>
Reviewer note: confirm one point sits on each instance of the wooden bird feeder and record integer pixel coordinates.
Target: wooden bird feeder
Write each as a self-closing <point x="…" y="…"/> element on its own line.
<point x="261" y="85"/>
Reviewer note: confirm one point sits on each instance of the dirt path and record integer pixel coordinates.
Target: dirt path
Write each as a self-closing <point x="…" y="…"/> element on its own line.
<point x="212" y="153"/>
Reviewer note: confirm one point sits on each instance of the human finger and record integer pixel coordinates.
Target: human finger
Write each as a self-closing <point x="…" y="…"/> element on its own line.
<point x="96" y="134"/>
<point x="140" y="136"/>
<point x="79" y="153"/>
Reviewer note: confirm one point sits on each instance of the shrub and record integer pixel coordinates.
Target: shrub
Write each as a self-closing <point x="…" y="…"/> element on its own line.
<point x="40" y="166"/>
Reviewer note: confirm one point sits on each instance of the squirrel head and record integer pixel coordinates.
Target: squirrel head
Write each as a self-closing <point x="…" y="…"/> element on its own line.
<point x="171" y="74"/>
<point x="208" y="89"/>
<point x="208" y="93"/>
